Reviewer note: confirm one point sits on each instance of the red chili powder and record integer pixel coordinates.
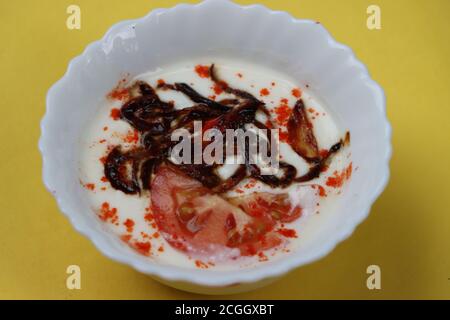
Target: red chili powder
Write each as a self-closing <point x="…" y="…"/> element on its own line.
<point x="262" y="257"/>
<point x="126" y="237"/>
<point x="338" y="178"/>
<point x="322" y="192"/>
<point x="284" y="136"/>
<point x="129" y="224"/>
<point x="220" y="87"/>
<point x="202" y="71"/>
<point x="115" y="114"/>
<point x="132" y="136"/>
<point x="250" y="184"/>
<point x="160" y="83"/>
<point x="119" y="94"/>
<point x="200" y="264"/>
<point x="348" y="171"/>
<point x="90" y="186"/>
<point x="149" y="217"/>
<point x="264" y="92"/>
<point x="296" y="92"/>
<point x="239" y="74"/>
<point x="268" y="124"/>
<point x="108" y="214"/>
<point x="288" y="233"/>
<point x="143" y="247"/>
<point x="283" y="112"/>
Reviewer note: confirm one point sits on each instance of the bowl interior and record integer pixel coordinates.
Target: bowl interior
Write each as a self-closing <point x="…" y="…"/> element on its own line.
<point x="301" y="49"/>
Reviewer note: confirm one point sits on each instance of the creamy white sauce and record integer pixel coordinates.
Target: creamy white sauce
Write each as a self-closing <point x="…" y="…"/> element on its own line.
<point x="253" y="79"/>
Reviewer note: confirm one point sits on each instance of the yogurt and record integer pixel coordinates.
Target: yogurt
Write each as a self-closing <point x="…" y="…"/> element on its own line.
<point x="130" y="216"/>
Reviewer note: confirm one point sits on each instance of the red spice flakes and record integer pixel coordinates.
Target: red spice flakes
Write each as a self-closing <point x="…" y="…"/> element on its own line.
<point x="219" y="87"/>
<point x="119" y="94"/>
<point x="129" y="224"/>
<point x="262" y="257"/>
<point x="132" y="136"/>
<point x="213" y="97"/>
<point x="338" y="179"/>
<point x="200" y="264"/>
<point x="108" y="214"/>
<point x="239" y="191"/>
<point x="239" y="74"/>
<point x="143" y="247"/>
<point x="126" y="238"/>
<point x="105" y="128"/>
<point x="115" y="114"/>
<point x="264" y="92"/>
<point x="89" y="186"/>
<point x="156" y="235"/>
<point x="251" y="250"/>
<point x="283" y="112"/>
<point x="288" y="233"/>
<point x="202" y="71"/>
<point x="348" y="171"/>
<point x="268" y="124"/>
<point x="104" y="179"/>
<point x="311" y="110"/>
<point x="296" y="92"/>
<point x="273" y="84"/>
<point x="103" y="159"/>
<point x="103" y="188"/>
<point x="161" y="248"/>
<point x="149" y="217"/>
<point x="284" y="136"/>
<point x="322" y="192"/>
<point x="250" y="184"/>
<point x="160" y="83"/>
<point x="102" y="141"/>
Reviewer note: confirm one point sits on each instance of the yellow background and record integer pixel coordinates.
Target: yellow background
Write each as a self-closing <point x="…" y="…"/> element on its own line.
<point x="407" y="232"/>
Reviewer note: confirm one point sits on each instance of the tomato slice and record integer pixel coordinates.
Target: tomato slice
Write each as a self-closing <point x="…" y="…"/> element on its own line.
<point x="193" y="219"/>
<point x="190" y="217"/>
<point x="268" y="206"/>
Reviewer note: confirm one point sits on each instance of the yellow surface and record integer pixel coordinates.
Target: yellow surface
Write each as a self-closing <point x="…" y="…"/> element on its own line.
<point x="407" y="233"/>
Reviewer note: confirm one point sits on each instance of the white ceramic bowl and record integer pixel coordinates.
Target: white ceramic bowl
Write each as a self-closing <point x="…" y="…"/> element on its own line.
<point x="300" y="48"/>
